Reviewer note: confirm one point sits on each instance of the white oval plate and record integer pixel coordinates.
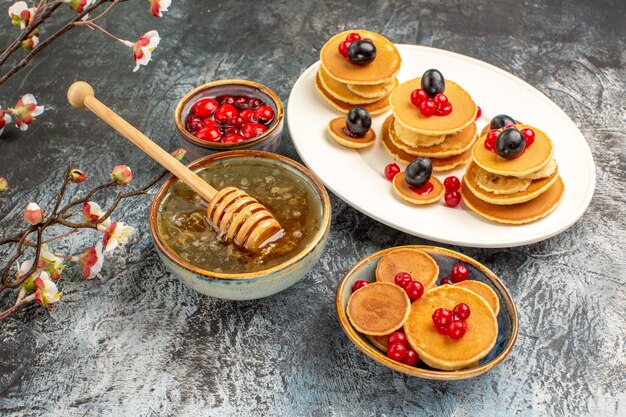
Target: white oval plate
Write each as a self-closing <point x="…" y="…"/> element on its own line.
<point x="357" y="176"/>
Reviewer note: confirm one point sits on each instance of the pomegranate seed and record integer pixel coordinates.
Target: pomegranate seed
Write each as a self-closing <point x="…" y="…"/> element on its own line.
<point x="353" y="37"/>
<point x="397" y="337"/>
<point x="427" y="108"/>
<point x="247" y="115"/>
<point x="462" y="311"/>
<point x="446" y="280"/>
<point x="391" y="171"/>
<point x="251" y="130"/>
<point x="457" y="329"/>
<point x="209" y="133"/>
<point x="224" y="113"/>
<point x="417" y="96"/>
<point x="452" y="198"/>
<point x="479" y="112"/>
<point x="194" y="123"/>
<point x="452" y="183"/>
<point x="402" y="279"/>
<point x="459" y="273"/>
<point x="233" y="138"/>
<point x="411" y="358"/>
<point x="204" y="107"/>
<point x="396" y="351"/>
<point x="492" y="137"/>
<point x="414" y="290"/>
<point x="343" y="48"/>
<point x="264" y="114"/>
<point x="236" y="121"/>
<point x="359" y="284"/>
<point x="529" y="134"/>
<point x="254" y="102"/>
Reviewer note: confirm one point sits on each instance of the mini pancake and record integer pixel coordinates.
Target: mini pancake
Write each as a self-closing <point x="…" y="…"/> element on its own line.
<point x="379" y="342"/>
<point x="378" y="308"/>
<point x="335" y="130"/>
<point x="441" y="351"/>
<point x="463" y="109"/>
<point x="340" y="90"/>
<point x="382" y="69"/>
<point x="534" y="158"/>
<point x="415" y="139"/>
<point x="454" y="144"/>
<point x="483" y="290"/>
<point x="534" y="190"/>
<point x="374" y="90"/>
<point x="421" y="266"/>
<point x="405" y="191"/>
<point x="517" y="213"/>
<point x="439" y="164"/>
<point x="374" y="108"/>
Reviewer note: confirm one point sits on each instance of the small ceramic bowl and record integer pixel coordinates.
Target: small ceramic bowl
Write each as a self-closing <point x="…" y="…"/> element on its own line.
<point x="247" y="285"/>
<point x="197" y="148"/>
<point x="446" y="259"/>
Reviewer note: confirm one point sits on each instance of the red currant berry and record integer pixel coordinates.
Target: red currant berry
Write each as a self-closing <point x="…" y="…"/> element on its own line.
<point x="444" y="110"/>
<point x="441" y="101"/>
<point x="452" y="198"/>
<point x="459" y="273"/>
<point x="396" y="351"/>
<point x="417" y="96"/>
<point x="240" y="102"/>
<point x="254" y="102"/>
<point x="427" y="108"/>
<point x="411" y="358"/>
<point x="414" y="290"/>
<point x="224" y="113"/>
<point x="353" y="37"/>
<point x="457" y="329"/>
<point x="343" y="48"/>
<point x="231" y="131"/>
<point x="391" y="171"/>
<point x="264" y="114"/>
<point x="251" y="130"/>
<point x="397" y="337"/>
<point x="233" y="138"/>
<point x="209" y="122"/>
<point x="442" y="317"/>
<point x="452" y="183"/>
<point x="209" y="133"/>
<point x="446" y="281"/>
<point x="479" y="112"/>
<point x="529" y="135"/>
<point x="462" y="311"/>
<point x="236" y="121"/>
<point x="490" y="141"/>
<point x="359" y="284"/>
<point x="193" y="123"/>
<point x="247" y="115"/>
<point x="402" y="279"/>
<point x="226" y="99"/>
<point x="204" y="107"/>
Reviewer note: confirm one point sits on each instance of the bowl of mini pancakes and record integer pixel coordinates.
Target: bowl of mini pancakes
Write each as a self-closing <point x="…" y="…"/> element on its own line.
<point x="372" y="311"/>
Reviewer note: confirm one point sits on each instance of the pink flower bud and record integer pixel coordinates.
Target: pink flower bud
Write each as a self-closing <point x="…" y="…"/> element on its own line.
<point x="46" y="293"/>
<point x="91" y="261"/>
<point x="122" y="175"/>
<point x="33" y="214"/>
<point x="159" y="6"/>
<point x="4" y="185"/>
<point x="77" y="176"/>
<point x="179" y="154"/>
<point x="30" y="43"/>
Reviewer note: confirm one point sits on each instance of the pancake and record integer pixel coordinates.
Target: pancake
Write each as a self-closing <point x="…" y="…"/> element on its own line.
<point x="454" y="144"/>
<point x="340" y="91"/>
<point x="463" y="109"/>
<point x="379" y="342"/>
<point x="382" y="69"/>
<point x="415" y="139"/>
<point x="374" y="108"/>
<point x="534" y="158"/>
<point x="517" y="213"/>
<point x="534" y="190"/>
<point x="441" y="351"/>
<point x="439" y="164"/>
<point x="484" y="291"/>
<point x="374" y="90"/>
<point x="499" y="184"/>
<point x="378" y="308"/>
<point x="421" y="266"/>
<point x="546" y="171"/>
<point x="405" y="192"/>
<point x="335" y="130"/>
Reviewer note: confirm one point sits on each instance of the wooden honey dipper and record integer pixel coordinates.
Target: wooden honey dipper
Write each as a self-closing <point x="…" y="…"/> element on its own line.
<point x="231" y="211"/>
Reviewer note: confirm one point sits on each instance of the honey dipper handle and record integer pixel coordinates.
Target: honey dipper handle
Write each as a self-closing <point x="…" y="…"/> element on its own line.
<point x="81" y="94"/>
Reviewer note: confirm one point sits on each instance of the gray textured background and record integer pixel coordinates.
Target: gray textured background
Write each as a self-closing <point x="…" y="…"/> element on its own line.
<point x="141" y="344"/>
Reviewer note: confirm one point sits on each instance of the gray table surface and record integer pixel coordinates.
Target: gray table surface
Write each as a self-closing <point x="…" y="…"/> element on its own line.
<point x="139" y="343"/>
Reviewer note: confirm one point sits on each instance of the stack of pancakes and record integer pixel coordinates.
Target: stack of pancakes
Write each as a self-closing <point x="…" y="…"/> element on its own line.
<point x="446" y="140"/>
<point x="345" y="85"/>
<point x="515" y="191"/>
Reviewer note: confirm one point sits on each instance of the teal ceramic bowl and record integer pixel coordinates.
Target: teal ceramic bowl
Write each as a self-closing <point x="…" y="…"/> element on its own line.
<point x="257" y="284"/>
<point x="446" y="259"/>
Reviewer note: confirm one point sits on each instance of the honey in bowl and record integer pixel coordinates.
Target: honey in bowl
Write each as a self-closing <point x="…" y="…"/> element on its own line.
<point x="182" y="223"/>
